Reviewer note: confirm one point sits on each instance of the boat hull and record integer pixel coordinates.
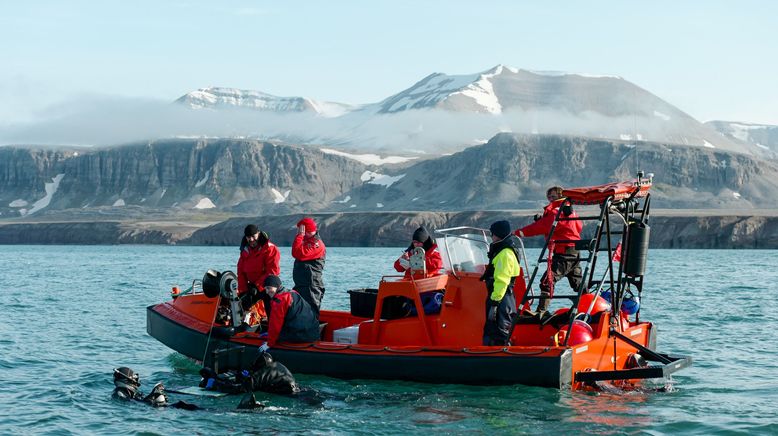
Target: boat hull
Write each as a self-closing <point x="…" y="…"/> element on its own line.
<point x="544" y="366"/>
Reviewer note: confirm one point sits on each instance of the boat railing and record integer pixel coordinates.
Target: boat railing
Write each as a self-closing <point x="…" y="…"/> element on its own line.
<point x="197" y="286"/>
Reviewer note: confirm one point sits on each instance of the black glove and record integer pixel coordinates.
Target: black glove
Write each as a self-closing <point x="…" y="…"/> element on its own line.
<point x="537" y="217"/>
<point x="567" y="210"/>
<point x="492" y="314"/>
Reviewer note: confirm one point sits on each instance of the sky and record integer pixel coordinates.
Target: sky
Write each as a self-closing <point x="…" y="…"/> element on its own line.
<point x="712" y="59"/>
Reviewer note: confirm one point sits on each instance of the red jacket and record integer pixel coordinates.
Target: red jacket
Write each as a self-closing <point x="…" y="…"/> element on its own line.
<point x="564" y="230"/>
<point x="308" y="248"/>
<point x="291" y="319"/>
<point x="431" y="258"/>
<point x="256" y="264"/>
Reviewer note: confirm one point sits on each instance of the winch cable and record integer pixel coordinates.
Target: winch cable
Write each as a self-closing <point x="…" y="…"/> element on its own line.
<point x="210" y="329"/>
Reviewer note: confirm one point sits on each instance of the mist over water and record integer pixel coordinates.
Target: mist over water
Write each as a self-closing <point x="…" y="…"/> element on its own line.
<point x="73" y="313"/>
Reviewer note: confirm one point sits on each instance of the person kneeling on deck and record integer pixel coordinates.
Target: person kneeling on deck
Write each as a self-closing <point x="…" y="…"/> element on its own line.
<point x="432" y="260"/>
<point x="499" y="276"/>
<point x="291" y="317"/>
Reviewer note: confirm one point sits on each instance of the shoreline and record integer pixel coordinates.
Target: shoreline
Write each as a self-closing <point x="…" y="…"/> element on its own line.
<point x="671" y="228"/>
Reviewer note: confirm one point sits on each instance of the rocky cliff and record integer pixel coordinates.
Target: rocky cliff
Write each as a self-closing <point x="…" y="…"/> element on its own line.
<point x="183" y="174"/>
<point x="513" y="171"/>
<point x="177" y="177"/>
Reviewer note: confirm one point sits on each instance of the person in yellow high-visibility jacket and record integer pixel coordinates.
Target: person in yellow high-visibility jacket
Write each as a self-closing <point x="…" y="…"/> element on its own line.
<point x="500" y="276"/>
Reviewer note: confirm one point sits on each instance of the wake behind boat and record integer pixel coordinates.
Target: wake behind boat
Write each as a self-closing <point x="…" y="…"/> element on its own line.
<point x="599" y="337"/>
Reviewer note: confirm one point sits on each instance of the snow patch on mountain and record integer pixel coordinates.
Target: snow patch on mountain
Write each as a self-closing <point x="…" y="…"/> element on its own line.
<point x="51" y="189"/>
<point x="662" y="116"/>
<point x="565" y="73"/>
<point x="202" y="181"/>
<point x="708" y="144"/>
<point x="431" y="90"/>
<point x="368" y="159"/>
<point x="482" y="92"/>
<point x="119" y="203"/>
<point x="204" y="203"/>
<point x="380" y="179"/>
<point x="345" y="200"/>
<point x="216" y="97"/>
<point x="278" y="197"/>
<point x="18" y="203"/>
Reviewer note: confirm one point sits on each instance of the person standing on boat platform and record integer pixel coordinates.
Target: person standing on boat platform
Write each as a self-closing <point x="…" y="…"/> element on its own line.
<point x="432" y="259"/>
<point x="565" y="261"/>
<point x="309" y="254"/>
<point x="259" y="258"/>
<point x="291" y="318"/>
<point x="500" y="276"/>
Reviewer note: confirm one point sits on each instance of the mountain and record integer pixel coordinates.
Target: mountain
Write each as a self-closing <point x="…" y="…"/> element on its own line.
<point x="190" y="178"/>
<point x="761" y="135"/>
<point x="445" y="113"/>
<point x="513" y="171"/>
<point x="230" y="98"/>
<point x="175" y="176"/>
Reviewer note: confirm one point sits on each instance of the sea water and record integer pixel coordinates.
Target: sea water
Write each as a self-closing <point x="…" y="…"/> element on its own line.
<point x="70" y="314"/>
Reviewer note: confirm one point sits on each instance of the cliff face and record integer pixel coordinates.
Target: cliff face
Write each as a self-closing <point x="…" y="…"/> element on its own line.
<point x="223" y="174"/>
<point x="252" y="177"/>
<point x="513" y="172"/>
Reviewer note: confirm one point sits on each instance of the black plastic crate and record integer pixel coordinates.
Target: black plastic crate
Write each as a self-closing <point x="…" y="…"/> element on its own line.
<point x="363" y="303"/>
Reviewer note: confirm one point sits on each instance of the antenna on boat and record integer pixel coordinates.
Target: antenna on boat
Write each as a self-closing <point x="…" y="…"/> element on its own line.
<point x="635" y="127"/>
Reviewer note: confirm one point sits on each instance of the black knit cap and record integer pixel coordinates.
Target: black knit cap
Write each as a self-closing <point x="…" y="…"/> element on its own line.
<point x="273" y="281"/>
<point x="501" y="229"/>
<point x="250" y="230"/>
<point x="421" y="234"/>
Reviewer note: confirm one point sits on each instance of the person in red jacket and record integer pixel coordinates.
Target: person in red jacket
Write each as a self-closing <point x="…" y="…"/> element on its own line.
<point x="565" y="261"/>
<point x="421" y="238"/>
<point x="291" y="318"/>
<point x="309" y="254"/>
<point x="259" y="258"/>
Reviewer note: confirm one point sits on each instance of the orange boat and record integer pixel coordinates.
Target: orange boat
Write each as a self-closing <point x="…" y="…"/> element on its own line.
<point x="443" y="344"/>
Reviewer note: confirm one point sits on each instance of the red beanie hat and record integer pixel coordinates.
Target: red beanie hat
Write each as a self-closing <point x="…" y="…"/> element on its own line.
<point x="309" y="223"/>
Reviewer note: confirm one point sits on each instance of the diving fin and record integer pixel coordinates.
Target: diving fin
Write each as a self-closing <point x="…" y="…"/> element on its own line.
<point x="249" y="402"/>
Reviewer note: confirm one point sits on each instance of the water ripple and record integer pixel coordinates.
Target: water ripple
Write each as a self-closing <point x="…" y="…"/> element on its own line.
<point x="91" y="315"/>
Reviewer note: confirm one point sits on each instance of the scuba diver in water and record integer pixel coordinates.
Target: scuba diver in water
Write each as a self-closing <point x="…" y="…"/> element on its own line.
<point x="126" y="387"/>
<point x="266" y="375"/>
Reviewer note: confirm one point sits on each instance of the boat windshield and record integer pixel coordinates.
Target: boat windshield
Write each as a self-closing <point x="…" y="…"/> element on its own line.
<point x="463" y="252"/>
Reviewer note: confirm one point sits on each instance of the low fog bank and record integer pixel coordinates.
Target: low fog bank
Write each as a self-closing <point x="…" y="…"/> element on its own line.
<point x="111" y="121"/>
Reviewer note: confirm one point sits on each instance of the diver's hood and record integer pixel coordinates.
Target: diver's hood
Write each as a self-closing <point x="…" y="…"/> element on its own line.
<point x="157" y="396"/>
<point x="126" y="378"/>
